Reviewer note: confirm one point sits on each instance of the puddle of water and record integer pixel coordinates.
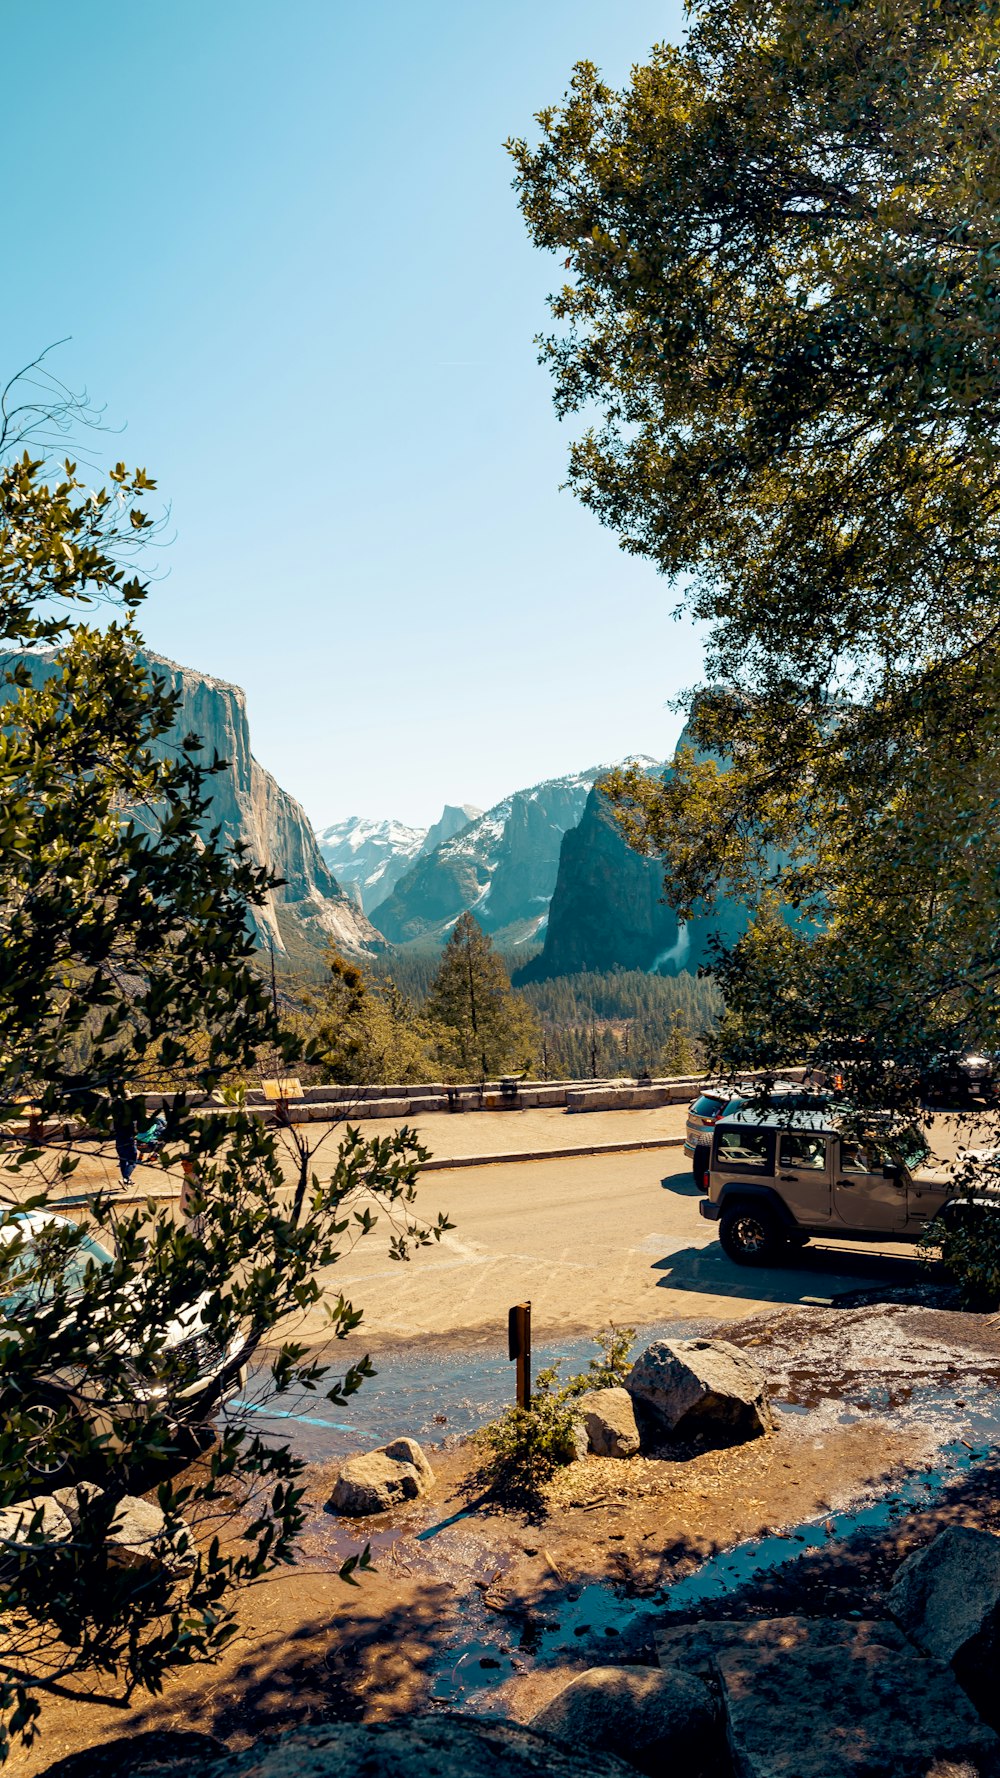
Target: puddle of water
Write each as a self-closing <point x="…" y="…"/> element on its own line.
<point x="428" y="1396"/>
<point x="605" y="1611"/>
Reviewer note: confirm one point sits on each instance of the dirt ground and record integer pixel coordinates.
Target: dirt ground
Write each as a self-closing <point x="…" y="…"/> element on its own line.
<point x="488" y="1609"/>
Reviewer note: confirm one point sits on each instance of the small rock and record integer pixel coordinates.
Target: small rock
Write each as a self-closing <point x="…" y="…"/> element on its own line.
<point x="609" y="1417"/>
<point x="656" y="1720"/>
<point x="379" y="1480"/>
<point x="698" y="1381"/>
<point x="16" y="1521"/>
<point x="138" y="1533"/>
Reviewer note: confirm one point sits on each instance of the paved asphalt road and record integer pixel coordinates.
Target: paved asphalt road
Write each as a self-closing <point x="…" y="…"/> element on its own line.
<point x="588" y="1240"/>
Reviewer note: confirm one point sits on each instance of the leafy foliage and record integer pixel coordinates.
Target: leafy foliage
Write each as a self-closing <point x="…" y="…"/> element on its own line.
<point x="366" y="1031"/>
<point x="782" y="300"/>
<point x="126" y="954"/>
<point x="526" y="1447"/>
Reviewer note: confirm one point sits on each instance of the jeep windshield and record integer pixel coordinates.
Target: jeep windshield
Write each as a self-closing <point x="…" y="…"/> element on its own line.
<point x="908" y="1145"/>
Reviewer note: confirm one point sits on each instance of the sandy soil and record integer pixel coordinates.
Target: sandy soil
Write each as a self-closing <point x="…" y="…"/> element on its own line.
<point x="868" y="1396"/>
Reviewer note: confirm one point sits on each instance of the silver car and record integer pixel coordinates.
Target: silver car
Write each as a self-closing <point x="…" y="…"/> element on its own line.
<point x="703" y="1115"/>
<point x="68" y="1389"/>
<point x="718" y="1102"/>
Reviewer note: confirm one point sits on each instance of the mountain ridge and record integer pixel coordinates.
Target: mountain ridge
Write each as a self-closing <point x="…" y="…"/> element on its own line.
<point x="368" y="857"/>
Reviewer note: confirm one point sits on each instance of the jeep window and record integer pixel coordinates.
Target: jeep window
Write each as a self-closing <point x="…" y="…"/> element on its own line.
<point x="853" y="1158"/>
<point x="872" y="1154"/>
<point x="753" y="1149"/>
<point x="800" y="1149"/>
<point x="709" y="1105"/>
<point x="910" y="1147"/>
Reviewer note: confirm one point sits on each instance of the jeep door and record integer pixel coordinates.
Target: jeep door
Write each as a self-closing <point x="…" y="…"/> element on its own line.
<point x="804" y="1175"/>
<point x="863" y="1198"/>
<point x="928" y="1188"/>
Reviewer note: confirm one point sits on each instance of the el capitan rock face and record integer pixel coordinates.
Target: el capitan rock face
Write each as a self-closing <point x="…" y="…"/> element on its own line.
<point x="310" y="910"/>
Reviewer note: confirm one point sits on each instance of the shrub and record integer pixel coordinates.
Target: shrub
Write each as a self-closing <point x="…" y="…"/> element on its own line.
<point x="522" y="1451"/>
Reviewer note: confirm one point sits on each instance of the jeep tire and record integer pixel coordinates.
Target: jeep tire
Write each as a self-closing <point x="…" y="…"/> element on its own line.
<point x="699" y="1165"/>
<point x="751" y="1235"/>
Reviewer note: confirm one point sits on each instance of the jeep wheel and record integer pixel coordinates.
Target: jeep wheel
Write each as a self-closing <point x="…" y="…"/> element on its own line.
<point x="699" y="1166"/>
<point x="751" y="1236"/>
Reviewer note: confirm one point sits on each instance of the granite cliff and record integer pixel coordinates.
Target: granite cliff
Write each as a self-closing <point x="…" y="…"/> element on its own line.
<point x="309" y="910"/>
<point x="607" y="910"/>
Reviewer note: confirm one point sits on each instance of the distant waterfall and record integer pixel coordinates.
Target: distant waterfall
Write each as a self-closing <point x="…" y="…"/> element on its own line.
<point x="675" y="957"/>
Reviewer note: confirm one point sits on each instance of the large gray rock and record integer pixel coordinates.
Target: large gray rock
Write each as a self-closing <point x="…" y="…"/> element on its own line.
<point x="443" y="1746"/>
<point x="382" y="1479"/>
<point x="658" y="1721"/>
<point x="701" y="1383"/>
<point x="947" y="1593"/>
<point x="838" y="1700"/>
<point x="17" y="1523"/>
<point x="609" y="1417"/>
<point x="947" y="1598"/>
<point x="139" y="1534"/>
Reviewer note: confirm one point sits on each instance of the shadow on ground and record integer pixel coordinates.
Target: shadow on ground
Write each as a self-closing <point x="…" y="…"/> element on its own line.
<point x="682" y="1185"/>
<point x="818" y="1272"/>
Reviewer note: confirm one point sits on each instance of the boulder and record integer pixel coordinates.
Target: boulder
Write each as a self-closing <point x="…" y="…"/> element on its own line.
<point x="945" y="1594"/>
<point x="447" y="1746"/>
<point x="701" y="1385"/>
<point x="829" y="1699"/>
<point x="658" y="1721"/>
<point x="609" y="1417"/>
<point x="379" y="1480"/>
<point x="406" y="1450"/>
<point x="74" y="1500"/>
<point x="16" y="1522"/>
<point x="153" y="1753"/>
<point x="947" y="1599"/>
<point x="138" y="1534"/>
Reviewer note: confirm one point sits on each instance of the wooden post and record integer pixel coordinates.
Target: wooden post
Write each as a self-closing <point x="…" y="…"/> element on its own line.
<point x="519" y="1348"/>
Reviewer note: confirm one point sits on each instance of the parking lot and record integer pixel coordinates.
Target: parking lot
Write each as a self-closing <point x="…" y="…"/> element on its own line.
<point x="588" y="1239"/>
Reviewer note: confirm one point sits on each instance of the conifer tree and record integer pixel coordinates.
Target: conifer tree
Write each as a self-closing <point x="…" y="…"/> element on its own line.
<point x="678" y="1053"/>
<point x="487" y="1029"/>
<point x="368" y="1032"/>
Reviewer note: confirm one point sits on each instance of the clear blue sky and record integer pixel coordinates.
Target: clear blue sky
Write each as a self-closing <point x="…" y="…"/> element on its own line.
<point x="283" y="240"/>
